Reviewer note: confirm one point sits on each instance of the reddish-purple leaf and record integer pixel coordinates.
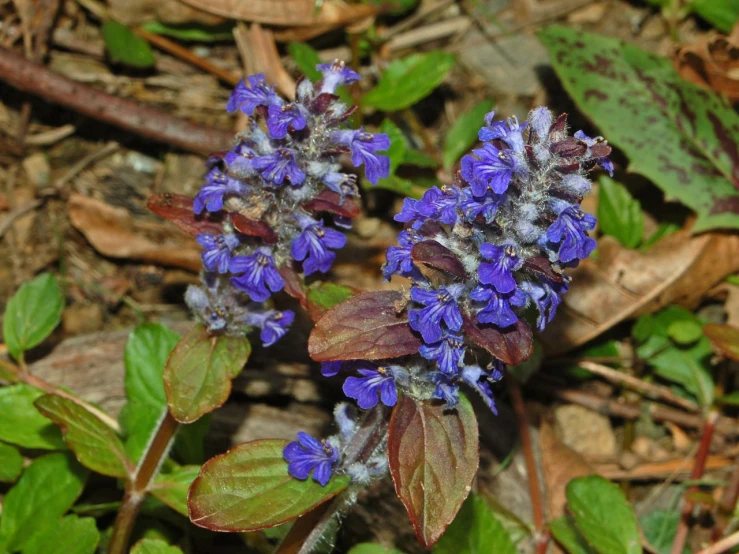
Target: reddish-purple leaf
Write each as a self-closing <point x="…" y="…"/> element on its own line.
<point x="293" y="284"/>
<point x="559" y="125"/>
<point x="178" y="209"/>
<point x="433" y="254"/>
<point x="330" y="201"/>
<point x="253" y="228"/>
<point x="512" y="345"/>
<point x="370" y="326"/>
<point x="725" y="338"/>
<point x="569" y="148"/>
<point x="543" y="266"/>
<point x="433" y="455"/>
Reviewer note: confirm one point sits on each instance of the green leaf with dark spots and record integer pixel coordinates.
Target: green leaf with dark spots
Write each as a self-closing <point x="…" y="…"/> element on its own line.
<point x="408" y="80"/>
<point x="32" y="314"/>
<point x="249" y="488"/>
<point x="681" y="136"/>
<point x="70" y="535"/>
<point x="125" y="47"/>
<point x="171" y="488"/>
<point x="619" y="214"/>
<point x="11" y="463"/>
<point x="475" y="530"/>
<point x="463" y="133"/>
<point x="21" y="423"/>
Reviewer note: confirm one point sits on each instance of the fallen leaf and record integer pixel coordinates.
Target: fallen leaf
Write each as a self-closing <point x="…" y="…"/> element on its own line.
<point x="712" y="62"/>
<point x="624" y="283"/>
<point x="258" y="49"/>
<point x="113" y="232"/>
<point x="173" y="12"/>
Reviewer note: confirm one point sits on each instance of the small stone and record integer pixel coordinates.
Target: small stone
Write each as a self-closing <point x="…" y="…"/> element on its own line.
<point x="37" y="169"/>
<point x="585" y="431"/>
<point x="367" y="227"/>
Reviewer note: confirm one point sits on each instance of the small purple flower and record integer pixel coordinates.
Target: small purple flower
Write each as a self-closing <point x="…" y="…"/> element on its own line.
<point x="274" y="324"/>
<point x="448" y="353"/>
<point x="283" y="117"/>
<point x="439" y="305"/>
<point x="374" y="380"/>
<point x="479" y="380"/>
<point x="342" y="183"/>
<point x="217" y="185"/>
<point x="499" y="273"/>
<point x="488" y="169"/>
<point x="239" y="160"/>
<point x="278" y="166"/>
<point x="329" y="369"/>
<point x="259" y="273"/>
<point x="247" y="99"/>
<point x="541" y="121"/>
<point x="335" y="75"/>
<point x="217" y="250"/>
<point x="364" y="148"/>
<point x="498" y="309"/>
<point x="312" y="245"/>
<point x="414" y="210"/>
<point x="569" y="230"/>
<point x="604" y="162"/>
<point x="446" y="389"/>
<point x="547" y="297"/>
<point x="201" y="304"/>
<point x="399" y="260"/>
<point x="473" y="206"/>
<point x="308" y="455"/>
<point x="508" y="131"/>
<point x="442" y="203"/>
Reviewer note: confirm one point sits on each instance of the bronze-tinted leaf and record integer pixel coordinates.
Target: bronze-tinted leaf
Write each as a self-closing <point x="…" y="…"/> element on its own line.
<point x="512" y="345"/>
<point x="293" y="283"/>
<point x="569" y="148"/>
<point x="725" y="338"/>
<point x="433" y="455"/>
<point x="253" y="228"/>
<point x="330" y="201"/>
<point x="543" y="266"/>
<point x="369" y="326"/>
<point x="178" y="209"/>
<point x="559" y="125"/>
<point x="433" y="254"/>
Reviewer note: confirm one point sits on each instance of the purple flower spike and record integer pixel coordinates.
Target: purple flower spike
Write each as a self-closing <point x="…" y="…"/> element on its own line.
<point x="364" y="148"/>
<point x="485" y="206"/>
<point x="441" y="203"/>
<point x="281" y="118"/>
<point x="247" y="99"/>
<point x="448" y="353"/>
<point x="312" y="245"/>
<point x="259" y="273"/>
<point x="605" y="162"/>
<point x="308" y="455"/>
<point x="365" y="389"/>
<point x="446" y="389"/>
<point x="439" y="305"/>
<point x="217" y="250"/>
<point x="335" y="75"/>
<point x="507" y="131"/>
<point x="499" y="272"/>
<point x="342" y="183"/>
<point x="489" y="169"/>
<point x="547" y="297"/>
<point x="211" y="195"/>
<point x="498" y="310"/>
<point x="278" y="166"/>
<point x="414" y="210"/>
<point x="476" y="378"/>
<point x="569" y="230"/>
<point x="399" y="260"/>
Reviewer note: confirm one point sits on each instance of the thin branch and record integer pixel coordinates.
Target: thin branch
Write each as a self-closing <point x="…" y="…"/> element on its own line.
<point x="723" y="545"/>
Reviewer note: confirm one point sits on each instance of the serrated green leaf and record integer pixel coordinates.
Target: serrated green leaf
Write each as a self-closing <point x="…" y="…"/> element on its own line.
<point x="198" y="373"/>
<point x="11" y="463"/>
<point x="154" y="546"/>
<point x="660" y="528"/>
<point x="565" y="533"/>
<point x="96" y="445"/>
<point x="722" y="14"/>
<point x="475" y="530"/>
<point x="171" y="488"/>
<point x="21" y="423"/>
<point x="32" y="314"/>
<point x="619" y="214"/>
<point x="681" y="136"/>
<point x="306" y="57"/>
<point x="44" y="493"/>
<point x="603" y="515"/>
<point x="249" y="488"/>
<point x="373" y="548"/>
<point x="685" y="331"/>
<point x="194" y="32"/>
<point x="463" y="133"/>
<point x="125" y="47"/>
<point x="408" y="80"/>
<point x="70" y="535"/>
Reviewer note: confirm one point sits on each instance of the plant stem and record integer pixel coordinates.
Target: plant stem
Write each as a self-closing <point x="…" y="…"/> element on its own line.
<point x="537" y="505"/>
<point x="723" y="545"/>
<point x="137" y="487"/>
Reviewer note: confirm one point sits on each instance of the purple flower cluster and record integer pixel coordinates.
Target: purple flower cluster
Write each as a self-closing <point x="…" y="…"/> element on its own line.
<point x="276" y="196"/>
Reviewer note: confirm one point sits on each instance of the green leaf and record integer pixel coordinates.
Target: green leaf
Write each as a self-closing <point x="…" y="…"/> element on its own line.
<point x="32" y="314"/>
<point x="373" y="548"/>
<point x="681" y="136"/>
<point x="565" y="533"/>
<point x="475" y="530"/>
<point x="96" y="445"/>
<point x="419" y="159"/>
<point x="249" y="488"/>
<point x="514" y="526"/>
<point x="11" y="463"/>
<point x="603" y="515"/>
<point x="154" y="546"/>
<point x="171" y="488"/>
<point x="463" y="133"/>
<point x="306" y="57"/>
<point x="408" y="80"/>
<point x="198" y="373"/>
<point x="660" y="528"/>
<point x="398" y="144"/>
<point x="70" y="535"/>
<point x="327" y="295"/>
<point x="685" y="331"/>
<point x="619" y="214"/>
<point x="722" y="14"/>
<point x="606" y="352"/>
<point x="22" y="424"/>
<point x="396" y="184"/>
<point x="433" y="456"/>
<point x="125" y="47"/>
<point x="147" y="349"/>
<point x="45" y="491"/>
<point x="731" y="399"/>
<point x="194" y="32"/>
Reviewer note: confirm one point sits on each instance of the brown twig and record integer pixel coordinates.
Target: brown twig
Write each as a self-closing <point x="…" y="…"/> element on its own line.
<point x="142" y="120"/>
<point x="537" y="504"/>
<point x="723" y="545"/>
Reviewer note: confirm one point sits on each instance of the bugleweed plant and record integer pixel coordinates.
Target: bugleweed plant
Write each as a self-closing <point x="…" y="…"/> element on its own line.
<point x="486" y="258"/>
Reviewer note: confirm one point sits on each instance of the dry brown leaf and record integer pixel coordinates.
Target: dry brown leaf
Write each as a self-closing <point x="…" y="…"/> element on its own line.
<point x="259" y="54"/>
<point x="625" y="283"/>
<point x="172" y="12"/>
<point x="560" y="464"/>
<point x="288" y="13"/>
<point x="113" y="232"/>
<point x="712" y="62"/>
